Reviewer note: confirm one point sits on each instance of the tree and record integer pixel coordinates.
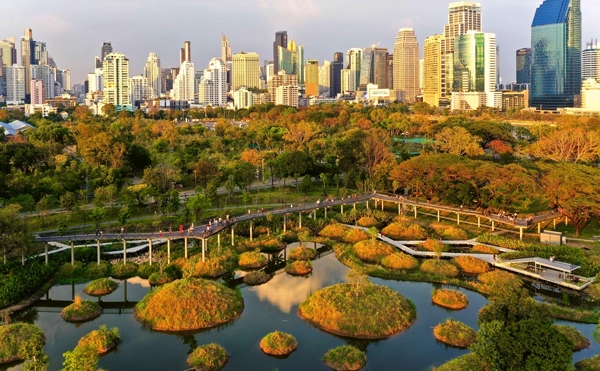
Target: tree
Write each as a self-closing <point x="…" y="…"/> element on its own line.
<point x="197" y="203"/>
<point x="68" y="201"/>
<point x="458" y="141"/>
<point x="301" y="133"/>
<point x="205" y="170"/>
<point x="568" y="145"/>
<point x="325" y="179"/>
<point x="162" y="177"/>
<point x="104" y="195"/>
<point x="43" y="205"/>
<point x="32" y="351"/>
<point x="243" y="174"/>
<point x="82" y="358"/>
<point x="173" y="203"/>
<point x="97" y="214"/>
<point x="375" y="151"/>
<point x="306" y="184"/>
<point x="124" y="215"/>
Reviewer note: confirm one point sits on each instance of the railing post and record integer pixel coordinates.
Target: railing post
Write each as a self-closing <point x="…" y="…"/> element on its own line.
<point x="478" y="222"/>
<point x="250" y="231"/>
<point x="284" y="223"/>
<point x="185" y="247"/>
<point x="539" y="228"/>
<point x="342" y="211"/>
<point x="493" y="226"/>
<point x="367" y="204"/>
<point x="124" y="252"/>
<point x="300" y="215"/>
<point x="521" y="233"/>
<point x="72" y="253"/>
<point x="204" y="248"/>
<point x="554" y="222"/>
<point x="150" y="251"/>
<point x="355" y="206"/>
<point x="219" y="239"/>
<point x="415" y="209"/>
<point x="232" y="235"/>
<point x="382" y="205"/>
<point x="325" y="212"/>
<point x="566" y="221"/>
<point x="169" y="251"/>
<point x="458" y="218"/>
<point x="46" y="252"/>
<point x="98" y="250"/>
<point x="438" y="214"/>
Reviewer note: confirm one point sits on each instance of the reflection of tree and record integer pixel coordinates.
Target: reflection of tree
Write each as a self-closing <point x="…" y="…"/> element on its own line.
<point x="191" y="340"/>
<point x="361" y="344"/>
<point x="29" y="315"/>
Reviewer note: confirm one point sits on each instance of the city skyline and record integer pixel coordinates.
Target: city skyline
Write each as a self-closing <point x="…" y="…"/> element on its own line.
<point x="74" y="40"/>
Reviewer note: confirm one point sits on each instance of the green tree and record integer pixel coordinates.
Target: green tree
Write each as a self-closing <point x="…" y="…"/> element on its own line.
<point x="33" y="353"/>
<point x="124" y="215"/>
<point x="458" y="141"/>
<point x="68" y="201"/>
<point x="84" y="358"/>
<point x="198" y="203"/>
<point x="97" y="214"/>
<point x="306" y="185"/>
<point x="43" y="205"/>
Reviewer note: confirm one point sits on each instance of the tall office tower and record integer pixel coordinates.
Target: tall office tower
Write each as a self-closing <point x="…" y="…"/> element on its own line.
<point x="183" y="86"/>
<point x="213" y="88"/>
<point x="335" y="77"/>
<point x="185" y="55"/>
<point x="245" y="71"/>
<point x="463" y="16"/>
<point x="421" y="76"/>
<point x="280" y="41"/>
<point x="63" y="77"/>
<point x="26" y="42"/>
<point x="390" y="71"/>
<point x="95" y="81"/>
<point x="225" y="49"/>
<point x="524" y="66"/>
<point x="37" y="92"/>
<point x="198" y="76"/>
<point x="556" y="54"/>
<point x="281" y="79"/>
<point x="406" y="64"/>
<point x="325" y="79"/>
<point x="270" y="72"/>
<point x="298" y="63"/>
<point x="45" y="74"/>
<point x="106" y="50"/>
<point x="590" y="61"/>
<point x="374" y="67"/>
<point x="15" y="84"/>
<point x="354" y="65"/>
<point x="115" y="69"/>
<point x="168" y="75"/>
<point x="498" y="78"/>
<point x="97" y="62"/>
<point x="312" y="78"/>
<point x="347" y="80"/>
<point x="153" y="73"/>
<point x="8" y="52"/>
<point x="432" y="70"/>
<point x="139" y="89"/>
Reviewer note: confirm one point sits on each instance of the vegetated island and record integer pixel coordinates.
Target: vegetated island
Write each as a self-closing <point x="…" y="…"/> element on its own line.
<point x="455" y="334"/>
<point x="210" y="357"/>
<point x="81" y="310"/>
<point x="278" y="343"/>
<point x="345" y="358"/>
<point x="101" y="286"/>
<point x="12" y="336"/>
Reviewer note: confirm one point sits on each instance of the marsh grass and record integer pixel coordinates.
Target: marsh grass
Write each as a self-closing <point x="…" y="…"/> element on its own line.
<point x="12" y="336"/>
<point x="103" y="339"/>
<point x="335" y="231"/>
<point x="303" y="253"/>
<point x="256" y="278"/>
<point x="439" y="268"/>
<point x="123" y="271"/>
<point x="367" y="222"/>
<point x="252" y="260"/>
<point x="278" y="343"/>
<point x="455" y="334"/>
<point x="299" y="267"/>
<point x="345" y="358"/>
<point x="399" y="260"/>
<point x="372" y="250"/>
<point x="484" y="249"/>
<point x="81" y="310"/>
<point x="579" y="341"/>
<point x="101" y="286"/>
<point x="405" y="231"/>
<point x="210" y="357"/>
<point x="469" y="264"/>
<point x="588" y="364"/>
<point x="467" y="362"/>
<point x="451" y="299"/>
<point x="355" y="235"/>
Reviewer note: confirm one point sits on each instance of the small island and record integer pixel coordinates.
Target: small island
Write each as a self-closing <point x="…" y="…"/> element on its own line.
<point x="13" y="336"/>
<point x="579" y="341"/>
<point x="278" y="343"/>
<point x="345" y="358"/>
<point x="101" y="286"/>
<point x="103" y="339"/>
<point x="450" y="299"/>
<point x="252" y="260"/>
<point x="455" y="334"/>
<point x="81" y="310"/>
<point x="303" y="253"/>
<point x="210" y="357"/>
<point x="256" y="278"/>
<point x="299" y="268"/>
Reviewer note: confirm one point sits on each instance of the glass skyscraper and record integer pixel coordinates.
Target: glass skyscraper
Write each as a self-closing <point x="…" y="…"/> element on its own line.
<point x="556" y="54"/>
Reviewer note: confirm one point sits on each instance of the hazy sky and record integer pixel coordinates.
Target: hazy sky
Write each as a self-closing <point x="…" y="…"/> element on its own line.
<point x="74" y="30"/>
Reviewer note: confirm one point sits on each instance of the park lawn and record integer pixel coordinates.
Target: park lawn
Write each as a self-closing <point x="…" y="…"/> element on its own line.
<point x="591" y="229"/>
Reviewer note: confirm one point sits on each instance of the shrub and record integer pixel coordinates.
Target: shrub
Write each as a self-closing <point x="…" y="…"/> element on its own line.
<point x="278" y="343"/>
<point x="253" y="259"/>
<point x="218" y="262"/>
<point x="94" y="270"/>
<point x="69" y="272"/>
<point x="455" y="334"/>
<point x="145" y="270"/>
<point x="260" y="230"/>
<point x="289" y="237"/>
<point x="298" y="267"/>
<point x="355" y="235"/>
<point x="367" y="221"/>
<point x="450" y="299"/>
<point x="579" y="341"/>
<point x="334" y="231"/>
<point x="593" y="290"/>
<point x="262" y="244"/>
<point x="588" y="364"/>
<point x="433" y="245"/>
<point x="81" y="310"/>
<point x="103" y="339"/>
<point x="405" y="231"/>
<point x="123" y="271"/>
<point x="23" y="281"/>
<point x="13" y="336"/>
<point x="101" y="286"/>
<point x="501" y="241"/>
<point x="157" y="278"/>
<point x="256" y="278"/>
<point x="345" y="358"/>
<point x="469" y="264"/>
<point x="399" y="260"/>
<point x="497" y="278"/>
<point x="484" y="249"/>
<point x="372" y="251"/>
<point x="189" y="304"/>
<point x="211" y="357"/>
<point x="303" y="253"/>
<point x="439" y="268"/>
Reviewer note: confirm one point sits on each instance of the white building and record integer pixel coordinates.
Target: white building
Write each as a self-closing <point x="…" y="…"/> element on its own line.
<point x="63" y="77"/>
<point x="243" y="98"/>
<point x="590" y="95"/>
<point x="153" y="73"/>
<point x="590" y="61"/>
<point x="44" y="109"/>
<point x="354" y="57"/>
<point x="213" y="87"/>
<point x="139" y="89"/>
<point x="115" y="68"/>
<point x="325" y="78"/>
<point x="287" y="95"/>
<point x="14" y="77"/>
<point x="95" y="81"/>
<point x="45" y="74"/>
<point x="183" y="86"/>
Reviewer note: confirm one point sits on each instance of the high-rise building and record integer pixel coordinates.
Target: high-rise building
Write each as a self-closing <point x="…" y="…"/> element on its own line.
<point x="183" y="86"/>
<point x="524" y="66"/>
<point x="338" y="57"/>
<point x="374" y="67"/>
<point x="15" y="84"/>
<point x="325" y="79"/>
<point x="463" y="16"/>
<point x="406" y="64"/>
<point x="281" y="79"/>
<point x="8" y="52"/>
<point x="348" y="79"/>
<point x="26" y="41"/>
<point x="354" y="65"/>
<point x="280" y="41"/>
<point x="106" y="50"/>
<point x="63" y="77"/>
<point x="95" y="81"/>
<point x="225" y="49"/>
<point x="556" y="54"/>
<point x="115" y="69"/>
<point x="335" y="78"/>
<point x="312" y="78"/>
<point x="432" y="70"/>
<point x="390" y="71"/>
<point x="37" y="92"/>
<point x="213" y="87"/>
<point x="421" y="75"/>
<point x="287" y="95"/>
<point x="298" y="63"/>
<point x="44" y="74"/>
<point x="243" y="98"/>
<point x="153" y="74"/>
<point x="185" y="55"/>
<point x="590" y="61"/>
<point x="139" y="89"/>
<point x="245" y="71"/>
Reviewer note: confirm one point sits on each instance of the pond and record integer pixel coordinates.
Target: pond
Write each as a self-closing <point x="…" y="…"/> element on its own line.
<point x="272" y="306"/>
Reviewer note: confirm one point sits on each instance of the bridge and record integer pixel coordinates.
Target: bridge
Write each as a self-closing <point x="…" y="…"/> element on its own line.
<point x="206" y="231"/>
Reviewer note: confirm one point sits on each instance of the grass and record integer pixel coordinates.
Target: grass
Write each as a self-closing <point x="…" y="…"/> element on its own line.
<point x="449" y="232"/>
<point x="335" y="231"/>
<point x="358" y="310"/>
<point x="467" y="362"/>
<point x="588" y="364"/>
<point x="469" y="264"/>
<point x="572" y="314"/>
<point x="298" y="267"/>
<point x="256" y="278"/>
<point x="345" y="358"/>
<point x="101" y="286"/>
<point x="593" y="290"/>
<point x="303" y="253"/>
<point x="497" y="278"/>
<point x="405" y="231"/>
<point x="103" y="339"/>
<point x="81" y="310"/>
<point x="278" y="343"/>
<point x="450" y="299"/>
<point x="13" y="336"/>
<point x="399" y="260"/>
<point x="433" y="245"/>
<point x="145" y="270"/>
<point x="579" y="341"/>
<point x="210" y="357"/>
<point x="169" y="274"/>
<point x="484" y="249"/>
<point x="218" y="262"/>
<point x="355" y="235"/>
<point x="262" y="244"/>
<point x="455" y="334"/>
<point x="95" y="270"/>
<point x="372" y="251"/>
<point x="367" y="221"/>
<point x="122" y="271"/>
<point x="189" y="304"/>
<point x="252" y="260"/>
<point x="439" y="268"/>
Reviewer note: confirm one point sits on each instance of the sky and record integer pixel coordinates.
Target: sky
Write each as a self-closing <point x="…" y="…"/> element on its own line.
<point x="74" y="30"/>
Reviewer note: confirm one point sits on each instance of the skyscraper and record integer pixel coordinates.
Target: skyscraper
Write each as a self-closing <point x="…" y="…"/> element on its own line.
<point x="213" y="88"/>
<point x="225" y="49"/>
<point x="556" y="54"/>
<point x="524" y="66"/>
<point x="115" y="69"/>
<point x="335" y="79"/>
<point x="281" y="79"/>
<point x="298" y="62"/>
<point x="8" y="52"/>
<point x="325" y="78"/>
<point x="185" y="55"/>
<point x="280" y="41"/>
<point x="183" y="86"/>
<point x="354" y="65"/>
<point x="312" y="78"/>
<point x="406" y="64"/>
<point x="15" y="84"/>
<point x="153" y="73"/>
<point x="432" y="70"/>
<point x="245" y="71"/>
<point x="463" y="16"/>
<point x="374" y="67"/>
<point x="44" y="74"/>
<point x="26" y="41"/>
<point x="106" y="50"/>
<point x="590" y="61"/>
<point x="139" y="89"/>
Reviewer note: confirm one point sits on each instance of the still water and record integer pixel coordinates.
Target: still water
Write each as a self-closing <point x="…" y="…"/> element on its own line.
<point x="269" y="307"/>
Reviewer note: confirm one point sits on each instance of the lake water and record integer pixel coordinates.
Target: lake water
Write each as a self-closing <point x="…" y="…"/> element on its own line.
<point x="269" y="307"/>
